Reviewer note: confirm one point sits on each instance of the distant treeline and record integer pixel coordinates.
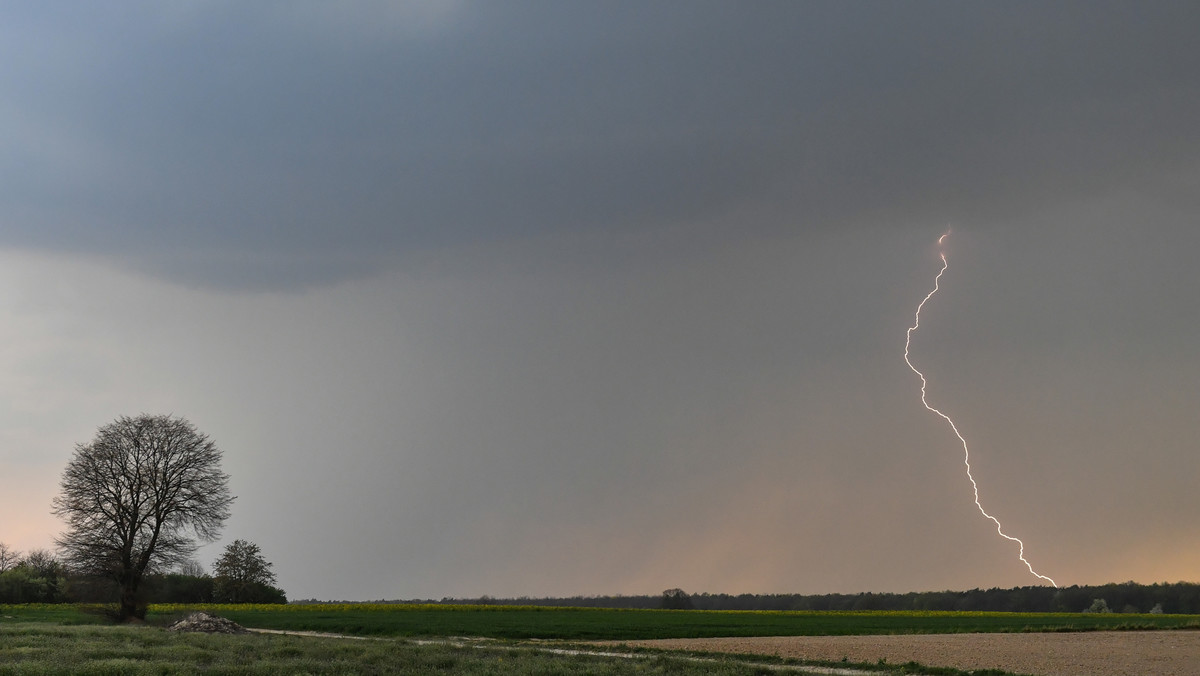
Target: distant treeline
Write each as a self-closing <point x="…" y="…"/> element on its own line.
<point x="1127" y="597"/>
<point x="39" y="577"/>
<point x="25" y="586"/>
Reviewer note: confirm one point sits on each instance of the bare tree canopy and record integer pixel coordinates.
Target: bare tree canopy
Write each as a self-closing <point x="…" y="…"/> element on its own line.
<point x="138" y="497"/>
<point x="8" y="557"/>
<point x="243" y="575"/>
<point x="192" y="568"/>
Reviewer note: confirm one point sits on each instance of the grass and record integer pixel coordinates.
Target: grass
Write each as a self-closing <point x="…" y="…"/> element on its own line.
<point x="37" y="648"/>
<point x="58" y="613"/>
<point x="67" y="639"/>
<point x="585" y="624"/>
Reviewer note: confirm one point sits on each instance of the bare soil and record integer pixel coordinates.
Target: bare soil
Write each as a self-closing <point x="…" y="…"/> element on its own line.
<point x="1099" y="653"/>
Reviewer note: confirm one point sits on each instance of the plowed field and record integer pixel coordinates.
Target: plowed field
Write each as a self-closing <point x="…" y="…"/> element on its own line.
<point x="1098" y="653"/>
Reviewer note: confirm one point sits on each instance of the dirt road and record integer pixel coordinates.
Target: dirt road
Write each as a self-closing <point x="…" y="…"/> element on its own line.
<point x="1099" y="653"/>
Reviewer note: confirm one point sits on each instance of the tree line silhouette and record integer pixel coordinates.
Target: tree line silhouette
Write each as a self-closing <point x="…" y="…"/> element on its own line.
<point x="241" y="576"/>
<point x="1125" y="597"/>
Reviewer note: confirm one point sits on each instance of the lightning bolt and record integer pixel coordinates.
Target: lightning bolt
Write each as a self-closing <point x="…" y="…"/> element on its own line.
<point x="966" y="451"/>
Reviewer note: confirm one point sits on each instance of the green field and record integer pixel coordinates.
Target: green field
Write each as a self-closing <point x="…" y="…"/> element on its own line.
<point x="580" y="624"/>
<point x="34" y="641"/>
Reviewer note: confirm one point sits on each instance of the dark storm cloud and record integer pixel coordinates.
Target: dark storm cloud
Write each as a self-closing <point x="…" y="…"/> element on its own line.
<point x="279" y="145"/>
<point x="612" y="297"/>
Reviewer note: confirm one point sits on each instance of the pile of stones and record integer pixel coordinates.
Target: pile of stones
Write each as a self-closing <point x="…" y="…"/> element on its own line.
<point x="208" y="624"/>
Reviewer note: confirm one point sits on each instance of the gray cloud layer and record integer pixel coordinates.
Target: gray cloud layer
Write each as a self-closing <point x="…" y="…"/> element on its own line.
<point x="282" y="145"/>
<point x="558" y="298"/>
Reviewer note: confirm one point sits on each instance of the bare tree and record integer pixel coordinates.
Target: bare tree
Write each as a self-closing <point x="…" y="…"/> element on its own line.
<point x="8" y="557"/>
<point x="137" y="498"/>
<point x="244" y="575"/>
<point x="42" y="562"/>
<point x="192" y="568"/>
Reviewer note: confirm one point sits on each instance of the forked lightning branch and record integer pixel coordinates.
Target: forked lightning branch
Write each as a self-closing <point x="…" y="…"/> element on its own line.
<point x="966" y="451"/>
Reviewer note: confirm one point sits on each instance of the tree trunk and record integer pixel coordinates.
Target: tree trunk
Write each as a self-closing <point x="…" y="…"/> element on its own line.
<point x="130" y="608"/>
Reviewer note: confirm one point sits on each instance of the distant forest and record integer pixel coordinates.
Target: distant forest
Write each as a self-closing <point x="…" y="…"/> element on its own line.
<point x="1127" y="597"/>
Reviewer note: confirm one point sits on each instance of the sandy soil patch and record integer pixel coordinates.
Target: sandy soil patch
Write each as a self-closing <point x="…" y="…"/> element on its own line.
<point x="1100" y="653"/>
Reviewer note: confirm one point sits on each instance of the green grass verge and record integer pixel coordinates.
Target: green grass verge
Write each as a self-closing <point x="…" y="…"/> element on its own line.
<point x="585" y="624"/>
<point x="57" y="613"/>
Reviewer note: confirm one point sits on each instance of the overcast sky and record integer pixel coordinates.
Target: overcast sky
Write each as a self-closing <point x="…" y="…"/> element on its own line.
<point x="597" y="298"/>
